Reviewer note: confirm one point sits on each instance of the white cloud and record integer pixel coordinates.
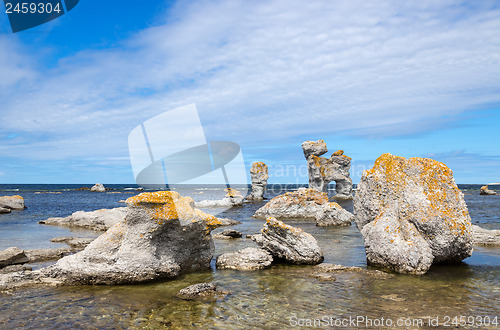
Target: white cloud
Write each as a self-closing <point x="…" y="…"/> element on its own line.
<point x="262" y="71"/>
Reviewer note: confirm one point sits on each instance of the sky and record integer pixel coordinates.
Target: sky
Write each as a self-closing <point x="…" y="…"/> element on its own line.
<point x="413" y="78"/>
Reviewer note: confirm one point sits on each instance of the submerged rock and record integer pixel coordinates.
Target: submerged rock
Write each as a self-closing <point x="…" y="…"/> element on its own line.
<point x="306" y="204"/>
<point x="411" y="214"/>
<point x="162" y="236"/>
<point x="322" y="171"/>
<point x="11" y="203"/>
<point x="233" y="198"/>
<point x="259" y="174"/>
<point x="485" y="236"/>
<point x="228" y="234"/>
<point x="289" y="243"/>
<point x="99" y="187"/>
<point x="246" y="259"/>
<point x="12" y="256"/>
<point x="486" y="191"/>
<point x="200" y="291"/>
<point x="96" y="220"/>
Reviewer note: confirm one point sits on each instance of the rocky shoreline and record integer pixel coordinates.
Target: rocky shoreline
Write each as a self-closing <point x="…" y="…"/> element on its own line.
<point x="410" y="214"/>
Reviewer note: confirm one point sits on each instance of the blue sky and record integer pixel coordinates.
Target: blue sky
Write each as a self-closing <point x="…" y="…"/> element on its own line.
<point x="414" y="78"/>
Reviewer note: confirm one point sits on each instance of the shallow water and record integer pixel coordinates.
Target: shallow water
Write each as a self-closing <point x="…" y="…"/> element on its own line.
<point x="278" y="297"/>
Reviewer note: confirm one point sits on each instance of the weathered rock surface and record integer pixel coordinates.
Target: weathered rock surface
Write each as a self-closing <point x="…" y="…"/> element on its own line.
<point x="96" y="220"/>
<point x="332" y="214"/>
<point x="98" y="187"/>
<point x="200" y="291"/>
<point x="4" y="210"/>
<point x="486" y="191"/>
<point x="12" y="256"/>
<point x="259" y="174"/>
<point x="162" y="236"/>
<point x="322" y="171"/>
<point x="411" y="214"/>
<point x="233" y="198"/>
<point x="305" y="204"/>
<point x="74" y="242"/>
<point x="485" y="237"/>
<point x="39" y="255"/>
<point x="246" y="259"/>
<point x="14" y="268"/>
<point x="289" y="243"/>
<point x="228" y="234"/>
<point x="12" y="203"/>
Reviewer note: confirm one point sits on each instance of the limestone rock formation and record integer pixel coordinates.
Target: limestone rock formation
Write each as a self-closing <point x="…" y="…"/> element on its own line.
<point x="12" y="256"/>
<point x="411" y="214"/>
<point x="322" y="171"/>
<point x="161" y="236"/>
<point x="99" y="187"/>
<point x="4" y="210"/>
<point x="247" y="259"/>
<point x="96" y="220"/>
<point x="259" y="174"/>
<point x="305" y="204"/>
<point x="486" y="191"/>
<point x="11" y="203"/>
<point x="485" y="237"/>
<point x="289" y="243"/>
<point x="233" y="198"/>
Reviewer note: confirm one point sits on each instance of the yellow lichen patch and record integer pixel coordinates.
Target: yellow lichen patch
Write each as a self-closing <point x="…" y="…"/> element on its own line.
<point x="18" y="197"/>
<point x="272" y="222"/>
<point x="232" y="192"/>
<point x="258" y="167"/>
<point x="338" y="153"/>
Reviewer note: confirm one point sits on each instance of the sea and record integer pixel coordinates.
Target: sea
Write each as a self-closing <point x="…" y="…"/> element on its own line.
<point x="463" y="295"/>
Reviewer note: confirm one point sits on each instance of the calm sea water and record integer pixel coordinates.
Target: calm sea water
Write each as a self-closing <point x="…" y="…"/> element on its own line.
<point x="274" y="298"/>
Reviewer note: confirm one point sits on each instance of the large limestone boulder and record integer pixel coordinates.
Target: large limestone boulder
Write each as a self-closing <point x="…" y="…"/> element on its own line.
<point x="247" y="259"/>
<point x="305" y="204"/>
<point x="289" y="243"/>
<point x="162" y="236"/>
<point x="486" y="191"/>
<point x="322" y="171"/>
<point x="99" y="187"/>
<point x="12" y="203"/>
<point x="96" y="220"/>
<point x="233" y="198"/>
<point x="411" y="214"/>
<point x="259" y="174"/>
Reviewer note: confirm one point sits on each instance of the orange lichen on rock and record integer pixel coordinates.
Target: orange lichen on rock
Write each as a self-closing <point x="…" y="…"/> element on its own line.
<point x="230" y="192"/>
<point x="338" y="153"/>
<point x="272" y="222"/>
<point x="258" y="167"/>
<point x="167" y="205"/>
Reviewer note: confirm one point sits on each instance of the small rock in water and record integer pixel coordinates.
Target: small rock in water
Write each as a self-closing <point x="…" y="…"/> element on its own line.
<point x="98" y="187"/>
<point x="228" y="234"/>
<point x="246" y="259"/>
<point x="12" y="203"/>
<point x="200" y="291"/>
<point x="289" y="243"/>
<point x="486" y="191"/>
